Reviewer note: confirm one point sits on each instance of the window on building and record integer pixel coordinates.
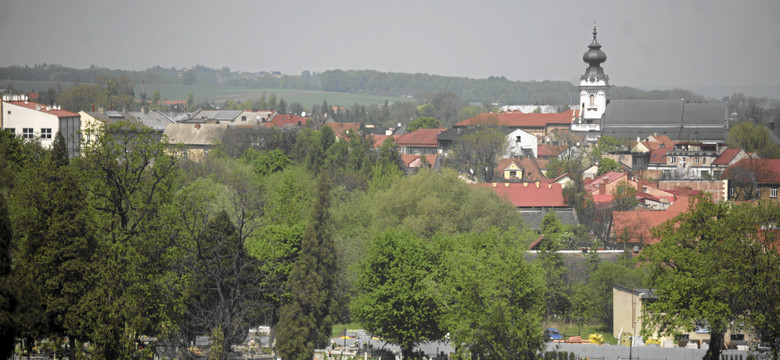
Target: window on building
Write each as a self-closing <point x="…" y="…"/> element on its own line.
<point x="11" y="130"/>
<point x="672" y="159"/>
<point x="773" y="192"/>
<point x="731" y="192"/>
<point x="45" y="133"/>
<point x="27" y="133"/>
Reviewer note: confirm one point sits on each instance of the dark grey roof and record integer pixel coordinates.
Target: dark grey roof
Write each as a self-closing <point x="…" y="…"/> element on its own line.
<point x="454" y="133"/>
<point x="533" y="217"/>
<point x="678" y="120"/>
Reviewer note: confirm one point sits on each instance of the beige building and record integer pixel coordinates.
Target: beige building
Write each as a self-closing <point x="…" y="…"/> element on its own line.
<point x="628" y="306"/>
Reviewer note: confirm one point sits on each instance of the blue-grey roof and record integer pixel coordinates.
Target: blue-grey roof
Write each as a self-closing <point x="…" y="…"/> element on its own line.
<point x="227" y="115"/>
<point x="153" y="119"/>
<point x="680" y="121"/>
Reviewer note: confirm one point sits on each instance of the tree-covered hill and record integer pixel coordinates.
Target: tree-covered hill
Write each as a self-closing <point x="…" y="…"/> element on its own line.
<point x="493" y="90"/>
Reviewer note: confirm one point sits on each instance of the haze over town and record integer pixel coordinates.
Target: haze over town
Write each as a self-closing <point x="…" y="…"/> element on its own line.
<point x="711" y="47"/>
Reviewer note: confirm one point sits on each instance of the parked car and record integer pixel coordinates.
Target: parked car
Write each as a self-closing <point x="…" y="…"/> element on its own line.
<point x="552" y="334"/>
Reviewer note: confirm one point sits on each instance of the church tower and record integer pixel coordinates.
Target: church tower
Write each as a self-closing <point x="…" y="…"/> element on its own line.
<point x="594" y="88"/>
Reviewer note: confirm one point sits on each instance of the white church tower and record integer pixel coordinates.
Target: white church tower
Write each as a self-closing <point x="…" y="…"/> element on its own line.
<point x="594" y="88"/>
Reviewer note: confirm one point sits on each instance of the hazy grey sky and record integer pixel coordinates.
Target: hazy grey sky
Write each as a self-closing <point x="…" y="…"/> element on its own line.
<point x="649" y="44"/>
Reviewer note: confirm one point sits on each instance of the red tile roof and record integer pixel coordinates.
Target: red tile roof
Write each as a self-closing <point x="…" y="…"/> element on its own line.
<point x="409" y="160"/>
<point x="530" y="195"/>
<point x="518" y="119"/>
<point x="549" y="150"/>
<point x="420" y="138"/>
<point x="340" y="128"/>
<point x="665" y="140"/>
<point x="380" y="139"/>
<point x="531" y="170"/>
<point x="287" y="119"/>
<point x="726" y="156"/>
<point x="638" y="223"/>
<point x="43" y="108"/>
<point x="767" y="171"/>
<point x="658" y="156"/>
<point x="607" y="178"/>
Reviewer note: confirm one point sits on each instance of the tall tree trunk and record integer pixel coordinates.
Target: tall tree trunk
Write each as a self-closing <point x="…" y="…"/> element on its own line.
<point x="716" y="345"/>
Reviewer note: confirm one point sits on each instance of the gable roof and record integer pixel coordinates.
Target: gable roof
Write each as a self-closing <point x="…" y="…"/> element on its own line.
<point x="340" y="128"/>
<point x="726" y="157"/>
<point x="281" y="120"/>
<point x="606" y="178"/>
<point x="766" y="171"/>
<point x="412" y="160"/>
<point x="531" y="170"/>
<point x="56" y="111"/>
<point x="638" y="223"/>
<point x="420" y="137"/>
<point x="194" y="134"/>
<point x="380" y="139"/>
<point x="678" y="120"/>
<point x="518" y="119"/>
<point x="658" y="156"/>
<point x="530" y="195"/>
<point x="547" y="150"/>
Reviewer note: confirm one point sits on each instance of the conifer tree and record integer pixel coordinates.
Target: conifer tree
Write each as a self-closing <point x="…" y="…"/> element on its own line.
<point x="306" y="320"/>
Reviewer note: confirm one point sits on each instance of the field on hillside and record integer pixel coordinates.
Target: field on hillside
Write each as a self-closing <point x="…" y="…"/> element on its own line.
<point x="219" y="94"/>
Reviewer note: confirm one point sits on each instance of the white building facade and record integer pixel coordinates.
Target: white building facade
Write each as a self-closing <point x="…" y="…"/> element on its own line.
<point x="33" y="121"/>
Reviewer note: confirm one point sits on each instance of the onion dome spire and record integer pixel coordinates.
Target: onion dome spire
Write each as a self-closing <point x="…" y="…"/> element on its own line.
<point x="594" y="57"/>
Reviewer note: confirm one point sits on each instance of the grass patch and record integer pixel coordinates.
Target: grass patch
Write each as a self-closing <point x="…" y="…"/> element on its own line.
<point x="568" y="330"/>
<point x="338" y="329"/>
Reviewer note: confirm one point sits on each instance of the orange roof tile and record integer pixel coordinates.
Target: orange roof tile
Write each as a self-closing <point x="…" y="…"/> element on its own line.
<point x="411" y="160"/>
<point x="42" y="108"/>
<point x="530" y="195"/>
<point x="726" y="156"/>
<point x="519" y="119"/>
<point x="420" y="138"/>
<point x="658" y="156"/>
<point x="340" y="128"/>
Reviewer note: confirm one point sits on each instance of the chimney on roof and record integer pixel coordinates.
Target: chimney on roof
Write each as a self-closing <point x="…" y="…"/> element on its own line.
<point x="506" y="184"/>
<point x="603" y="188"/>
<point x="537" y="184"/>
<point x="197" y="126"/>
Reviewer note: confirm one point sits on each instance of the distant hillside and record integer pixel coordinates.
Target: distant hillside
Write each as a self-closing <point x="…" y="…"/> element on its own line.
<point x="497" y="90"/>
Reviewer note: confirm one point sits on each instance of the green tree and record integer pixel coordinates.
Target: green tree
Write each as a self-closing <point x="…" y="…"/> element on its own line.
<point x="606" y="165"/>
<point x="493" y="299"/>
<point x="80" y="97"/>
<point x="306" y="320"/>
<point x="225" y="283"/>
<point x="423" y="122"/>
<point x="156" y="99"/>
<point x="394" y="300"/>
<point x="266" y="163"/>
<point x="624" y="196"/>
<point x="478" y="153"/>
<point x="753" y="138"/>
<point x="129" y="181"/>
<point x="8" y="298"/>
<point x="555" y="275"/>
<point x="699" y="271"/>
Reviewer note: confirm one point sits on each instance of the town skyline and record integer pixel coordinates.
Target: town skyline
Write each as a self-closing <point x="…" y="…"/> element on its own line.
<point x="713" y="48"/>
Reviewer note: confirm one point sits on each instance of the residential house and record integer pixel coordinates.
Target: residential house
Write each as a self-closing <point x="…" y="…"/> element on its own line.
<point x="418" y="161"/>
<point x="31" y="120"/>
<point x="602" y="187"/>
<point x="519" y="169"/>
<point x="534" y="199"/>
<point x="520" y="143"/>
<point x="727" y="158"/>
<point x="535" y="124"/>
<point x="628" y="309"/>
<point x="750" y="179"/>
<point x="716" y="187"/>
<point x="287" y="121"/>
<point x="633" y="227"/>
<point x="197" y="139"/>
<point x="342" y="129"/>
<point x="419" y="142"/>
